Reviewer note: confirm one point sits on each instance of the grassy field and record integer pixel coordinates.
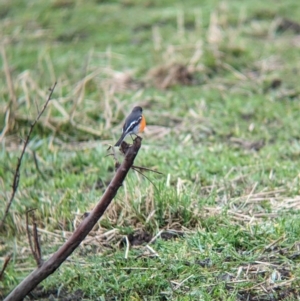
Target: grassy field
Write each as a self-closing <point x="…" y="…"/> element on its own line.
<point x="219" y="84"/>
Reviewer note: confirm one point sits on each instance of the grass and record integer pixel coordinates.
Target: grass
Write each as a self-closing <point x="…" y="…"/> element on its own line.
<point x="218" y="82"/>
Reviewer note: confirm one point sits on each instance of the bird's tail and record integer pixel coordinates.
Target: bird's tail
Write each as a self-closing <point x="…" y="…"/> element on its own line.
<point x="120" y="140"/>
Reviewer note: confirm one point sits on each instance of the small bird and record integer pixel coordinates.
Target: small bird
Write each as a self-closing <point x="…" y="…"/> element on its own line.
<point x="134" y="123"/>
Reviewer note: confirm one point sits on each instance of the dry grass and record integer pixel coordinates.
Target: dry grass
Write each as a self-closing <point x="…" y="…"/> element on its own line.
<point x="214" y="102"/>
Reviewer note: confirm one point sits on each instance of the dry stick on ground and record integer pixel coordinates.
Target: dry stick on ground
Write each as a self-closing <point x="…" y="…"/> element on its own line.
<point x="17" y="171"/>
<point x="49" y="266"/>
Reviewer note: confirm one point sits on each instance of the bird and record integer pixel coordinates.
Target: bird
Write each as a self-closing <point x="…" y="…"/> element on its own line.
<point x="134" y="123"/>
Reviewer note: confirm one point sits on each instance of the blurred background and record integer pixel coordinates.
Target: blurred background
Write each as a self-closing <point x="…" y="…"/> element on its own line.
<point x="219" y="85"/>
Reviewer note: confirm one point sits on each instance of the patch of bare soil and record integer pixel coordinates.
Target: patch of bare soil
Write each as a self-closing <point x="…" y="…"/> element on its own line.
<point x="166" y="76"/>
<point x="139" y="237"/>
<point x="58" y="295"/>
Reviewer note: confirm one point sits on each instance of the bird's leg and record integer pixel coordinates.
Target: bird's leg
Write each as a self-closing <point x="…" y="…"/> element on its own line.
<point x="133" y="134"/>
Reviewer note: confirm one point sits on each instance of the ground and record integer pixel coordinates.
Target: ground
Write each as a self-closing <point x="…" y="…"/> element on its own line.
<point x="219" y="85"/>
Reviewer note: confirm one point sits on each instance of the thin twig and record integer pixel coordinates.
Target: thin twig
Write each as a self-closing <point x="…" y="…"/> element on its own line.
<point x="123" y="149"/>
<point x="28" y="233"/>
<point x="5" y="264"/>
<point x="145" y="177"/>
<point x="146" y="169"/>
<point x="36" y="163"/>
<point x="36" y="249"/>
<point x="17" y="171"/>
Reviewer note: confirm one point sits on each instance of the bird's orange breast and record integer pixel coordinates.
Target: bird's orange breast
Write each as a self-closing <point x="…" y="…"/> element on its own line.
<point x="143" y="124"/>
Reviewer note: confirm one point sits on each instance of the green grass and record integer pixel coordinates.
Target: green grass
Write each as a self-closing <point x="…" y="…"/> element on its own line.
<point x="227" y="144"/>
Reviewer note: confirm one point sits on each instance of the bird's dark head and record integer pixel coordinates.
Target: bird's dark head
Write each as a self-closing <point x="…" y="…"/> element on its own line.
<point x="137" y="109"/>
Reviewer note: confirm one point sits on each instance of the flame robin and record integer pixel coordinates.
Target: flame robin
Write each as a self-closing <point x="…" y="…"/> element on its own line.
<point x="134" y="123"/>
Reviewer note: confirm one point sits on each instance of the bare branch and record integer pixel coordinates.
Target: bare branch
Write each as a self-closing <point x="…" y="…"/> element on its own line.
<point x="17" y="171"/>
<point x="36" y="249"/>
<point x="28" y="233"/>
<point x="53" y="263"/>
